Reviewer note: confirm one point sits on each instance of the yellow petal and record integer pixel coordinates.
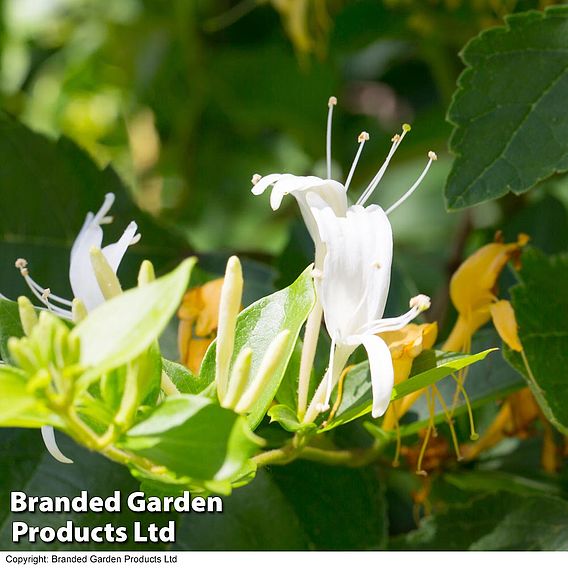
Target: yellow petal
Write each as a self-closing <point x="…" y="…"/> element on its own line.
<point x="472" y="285"/>
<point x="506" y="324"/>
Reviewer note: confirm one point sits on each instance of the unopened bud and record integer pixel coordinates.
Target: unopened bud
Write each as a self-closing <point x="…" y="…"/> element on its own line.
<point x="239" y="378"/>
<point x="106" y="278"/>
<point x="146" y="274"/>
<point x="229" y="307"/>
<point x="28" y="315"/>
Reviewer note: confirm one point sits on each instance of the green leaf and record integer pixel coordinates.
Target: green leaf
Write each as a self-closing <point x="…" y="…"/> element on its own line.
<point x="18" y="407"/>
<point x="541" y="308"/>
<point x="428" y="368"/>
<point x="501" y="521"/>
<point x="192" y="436"/>
<point x="257" y="326"/>
<point x="185" y="381"/>
<point x="285" y="416"/>
<point x="119" y="330"/>
<point x="509" y="112"/>
<point x="10" y="326"/>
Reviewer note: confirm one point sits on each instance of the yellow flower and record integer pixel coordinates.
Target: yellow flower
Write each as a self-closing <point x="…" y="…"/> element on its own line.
<point x="405" y="345"/>
<point x="473" y="293"/>
<point x="199" y="319"/>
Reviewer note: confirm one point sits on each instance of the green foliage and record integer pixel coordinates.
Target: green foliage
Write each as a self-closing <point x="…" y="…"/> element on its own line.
<point x="193" y="437"/>
<point x="122" y="328"/>
<point x="511" y="127"/>
<point x="541" y="309"/>
<point x="10" y="326"/>
<point x="500" y="521"/>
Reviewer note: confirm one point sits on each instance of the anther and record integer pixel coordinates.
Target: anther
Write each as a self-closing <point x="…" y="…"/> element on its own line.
<point x="22" y="264"/>
<point x="432" y="155"/>
<point x="421" y="302"/>
<point x="332" y="101"/>
<point x="406" y="127"/>
<point x="255" y="179"/>
<point x="45" y="294"/>
<point x="363" y="137"/>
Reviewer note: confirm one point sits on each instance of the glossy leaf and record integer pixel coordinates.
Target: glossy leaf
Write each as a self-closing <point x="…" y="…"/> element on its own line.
<point x="511" y="127"/>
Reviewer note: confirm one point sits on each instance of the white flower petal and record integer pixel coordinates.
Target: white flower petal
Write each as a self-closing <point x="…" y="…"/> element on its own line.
<point x="264" y="183"/>
<point x="48" y="436"/>
<point x="382" y="372"/>
<point x="116" y="251"/>
<point x="356" y="268"/>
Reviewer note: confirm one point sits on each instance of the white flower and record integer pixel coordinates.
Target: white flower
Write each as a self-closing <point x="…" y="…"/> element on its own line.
<point x="81" y="272"/>
<point x="353" y="291"/>
<point x="82" y="279"/>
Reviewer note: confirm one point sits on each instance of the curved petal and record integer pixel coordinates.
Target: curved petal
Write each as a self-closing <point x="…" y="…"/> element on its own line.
<point x="382" y="372"/>
<point x="48" y="436"/>
<point x="115" y="252"/>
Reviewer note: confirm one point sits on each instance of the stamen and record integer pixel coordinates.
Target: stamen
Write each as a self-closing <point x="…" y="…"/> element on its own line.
<point x="43" y="294"/>
<point x="417" y="305"/>
<point x="419" y="470"/>
<point x="255" y="179"/>
<point x="421" y="302"/>
<point x="460" y="389"/>
<point x="449" y="420"/>
<point x="431" y="158"/>
<point x="396" y="141"/>
<point x="331" y="103"/>
<point x="363" y="137"/>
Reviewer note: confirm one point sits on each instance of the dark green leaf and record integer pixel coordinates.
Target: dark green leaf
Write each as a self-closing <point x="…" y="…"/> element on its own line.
<point x="502" y="521"/>
<point x="181" y="376"/>
<point x="541" y="308"/>
<point x="26" y="466"/>
<point x="511" y="126"/>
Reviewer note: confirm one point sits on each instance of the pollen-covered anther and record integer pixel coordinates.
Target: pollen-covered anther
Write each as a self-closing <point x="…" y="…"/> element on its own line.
<point x="332" y="101"/>
<point x="255" y="179"/>
<point x="395" y="138"/>
<point x="363" y="137"/>
<point x="432" y="155"/>
<point x="22" y="265"/>
<point x="46" y="293"/>
<point x="421" y="302"/>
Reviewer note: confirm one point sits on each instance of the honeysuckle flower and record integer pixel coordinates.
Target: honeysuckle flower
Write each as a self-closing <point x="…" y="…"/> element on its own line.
<point x="473" y="293"/>
<point x="353" y="290"/>
<point x="82" y="274"/>
<point x="331" y="194"/>
<point x="89" y="286"/>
